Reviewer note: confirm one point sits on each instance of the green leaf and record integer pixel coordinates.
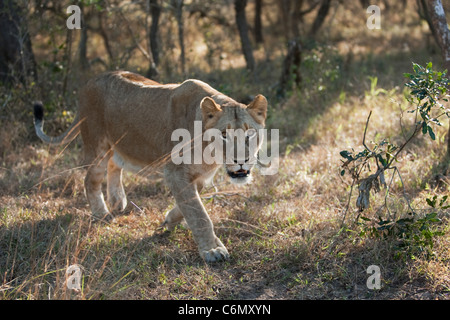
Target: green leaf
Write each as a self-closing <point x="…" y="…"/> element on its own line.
<point x="408" y="75"/>
<point x="404" y="221"/>
<point x="424" y="127"/>
<point x="432" y="217"/>
<point x="345" y="154"/>
<point x="431" y="133"/>
<point x="431" y="203"/>
<point x="382" y="160"/>
<point x="384" y="222"/>
<point x="444" y="198"/>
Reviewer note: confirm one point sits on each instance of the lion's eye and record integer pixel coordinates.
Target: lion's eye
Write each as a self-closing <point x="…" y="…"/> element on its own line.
<point x="250" y="133"/>
<point x="224" y="135"/>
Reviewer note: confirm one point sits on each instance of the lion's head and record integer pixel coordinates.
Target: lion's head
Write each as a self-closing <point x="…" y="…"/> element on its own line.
<point x="239" y="129"/>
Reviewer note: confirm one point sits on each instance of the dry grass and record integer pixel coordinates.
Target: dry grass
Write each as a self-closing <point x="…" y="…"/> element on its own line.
<point x="284" y="232"/>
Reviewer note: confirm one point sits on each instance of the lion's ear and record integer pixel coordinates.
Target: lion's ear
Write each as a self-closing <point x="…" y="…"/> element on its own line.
<point x="209" y="108"/>
<point x="258" y="108"/>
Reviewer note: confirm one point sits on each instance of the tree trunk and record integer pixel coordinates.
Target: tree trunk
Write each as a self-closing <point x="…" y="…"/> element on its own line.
<point x="178" y="4"/>
<point x="16" y="54"/>
<point x="241" y="21"/>
<point x="67" y="59"/>
<point x="422" y="10"/>
<point x="155" y="12"/>
<point x="285" y="8"/>
<point x="258" y="22"/>
<point x="364" y="3"/>
<point x="291" y="17"/>
<point x="439" y="22"/>
<point x="82" y="46"/>
<point x="104" y="36"/>
<point x="291" y="75"/>
<point x="296" y="19"/>
<point x="320" y="18"/>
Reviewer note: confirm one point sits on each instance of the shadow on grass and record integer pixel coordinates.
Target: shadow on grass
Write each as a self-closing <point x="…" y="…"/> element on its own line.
<point x="34" y="256"/>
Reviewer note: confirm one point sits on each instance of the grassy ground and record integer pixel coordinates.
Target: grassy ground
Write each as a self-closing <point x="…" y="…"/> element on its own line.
<point x="285" y="232"/>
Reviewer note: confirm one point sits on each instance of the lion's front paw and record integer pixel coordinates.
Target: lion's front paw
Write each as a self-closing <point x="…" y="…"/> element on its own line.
<point x="218" y="253"/>
<point x="215" y="254"/>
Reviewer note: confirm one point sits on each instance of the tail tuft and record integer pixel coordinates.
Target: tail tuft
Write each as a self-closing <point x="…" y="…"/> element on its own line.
<point x="38" y="110"/>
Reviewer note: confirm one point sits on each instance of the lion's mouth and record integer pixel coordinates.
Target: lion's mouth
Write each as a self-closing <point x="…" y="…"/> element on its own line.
<point x="241" y="173"/>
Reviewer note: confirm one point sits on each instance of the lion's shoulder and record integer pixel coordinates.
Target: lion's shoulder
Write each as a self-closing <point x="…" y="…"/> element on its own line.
<point x="194" y="86"/>
<point x="137" y="78"/>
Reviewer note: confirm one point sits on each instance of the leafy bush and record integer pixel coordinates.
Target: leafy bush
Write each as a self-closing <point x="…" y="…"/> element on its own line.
<point x="414" y="234"/>
<point x="428" y="89"/>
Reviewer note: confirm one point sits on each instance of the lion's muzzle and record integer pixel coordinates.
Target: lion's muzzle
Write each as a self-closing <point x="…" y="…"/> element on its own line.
<point x="241" y="173"/>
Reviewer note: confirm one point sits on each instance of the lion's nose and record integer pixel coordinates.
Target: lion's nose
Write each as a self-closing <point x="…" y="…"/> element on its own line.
<point x="240" y="161"/>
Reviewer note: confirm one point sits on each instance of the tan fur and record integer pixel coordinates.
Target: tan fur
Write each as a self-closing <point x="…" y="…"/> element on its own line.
<point x="126" y="121"/>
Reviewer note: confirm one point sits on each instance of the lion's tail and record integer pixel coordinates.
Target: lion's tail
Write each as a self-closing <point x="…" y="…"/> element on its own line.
<point x="64" y="138"/>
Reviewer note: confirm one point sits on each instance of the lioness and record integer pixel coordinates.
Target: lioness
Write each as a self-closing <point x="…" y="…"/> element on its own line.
<point x="126" y="122"/>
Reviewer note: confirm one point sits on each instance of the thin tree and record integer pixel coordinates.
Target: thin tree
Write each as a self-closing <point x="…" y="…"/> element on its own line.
<point x="82" y="45"/>
<point x="16" y="55"/>
<point x="290" y="14"/>
<point x="320" y="18"/>
<point x="178" y="6"/>
<point x="101" y="30"/>
<point x="284" y="7"/>
<point x="258" y="22"/>
<point x="291" y="75"/>
<point x="241" y="21"/>
<point x="422" y="10"/>
<point x="155" y="13"/>
<point x="442" y="36"/>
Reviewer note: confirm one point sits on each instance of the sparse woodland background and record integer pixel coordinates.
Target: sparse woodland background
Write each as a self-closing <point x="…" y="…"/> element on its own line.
<point x="295" y="235"/>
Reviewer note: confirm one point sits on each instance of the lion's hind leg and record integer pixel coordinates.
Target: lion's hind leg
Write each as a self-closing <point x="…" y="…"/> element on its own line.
<point x="93" y="188"/>
<point x="116" y="197"/>
<point x="96" y="158"/>
<point x="173" y="218"/>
